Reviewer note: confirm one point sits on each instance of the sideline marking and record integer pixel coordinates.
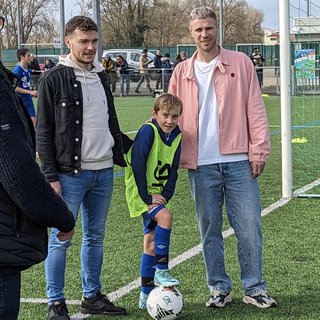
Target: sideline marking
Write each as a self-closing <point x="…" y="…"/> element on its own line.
<point x="179" y="259"/>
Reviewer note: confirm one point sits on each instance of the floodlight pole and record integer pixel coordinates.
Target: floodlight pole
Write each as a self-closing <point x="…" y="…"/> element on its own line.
<point x="62" y="23"/>
<point x="18" y="24"/>
<point x="285" y="94"/>
<point x="221" y="23"/>
<point x="96" y="18"/>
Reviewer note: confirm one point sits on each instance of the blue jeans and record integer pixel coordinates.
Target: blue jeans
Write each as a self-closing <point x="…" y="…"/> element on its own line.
<point x="10" y="295"/>
<point x="124" y="78"/>
<point x="232" y="183"/>
<point x="92" y="190"/>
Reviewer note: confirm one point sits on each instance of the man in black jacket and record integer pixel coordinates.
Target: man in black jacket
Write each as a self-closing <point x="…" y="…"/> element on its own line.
<point x="28" y="205"/>
<point x="79" y="141"/>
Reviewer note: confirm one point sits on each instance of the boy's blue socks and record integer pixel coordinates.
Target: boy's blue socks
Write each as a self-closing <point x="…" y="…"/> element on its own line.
<point x="147" y="270"/>
<point x="162" y="245"/>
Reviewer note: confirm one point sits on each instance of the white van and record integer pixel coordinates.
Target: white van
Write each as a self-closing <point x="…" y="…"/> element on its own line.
<point x="131" y="55"/>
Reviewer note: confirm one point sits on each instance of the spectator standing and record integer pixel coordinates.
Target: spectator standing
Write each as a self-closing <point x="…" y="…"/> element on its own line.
<point x="144" y="65"/>
<point x="257" y="60"/>
<point x="34" y="65"/>
<point x="35" y="71"/>
<point x="158" y="65"/>
<point x="49" y="64"/>
<point x="25" y="212"/>
<point x="79" y="141"/>
<point x="23" y="89"/>
<point x="225" y="146"/>
<point x="180" y="57"/>
<point x="167" y="71"/>
<point x="156" y="148"/>
<point x="123" y="72"/>
<point x="109" y="67"/>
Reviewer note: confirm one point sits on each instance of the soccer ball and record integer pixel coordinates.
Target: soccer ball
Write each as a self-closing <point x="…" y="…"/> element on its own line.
<point x="165" y="303"/>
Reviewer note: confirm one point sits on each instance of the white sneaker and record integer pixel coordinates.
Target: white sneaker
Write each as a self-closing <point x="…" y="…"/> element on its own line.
<point x="260" y="300"/>
<point x="218" y="299"/>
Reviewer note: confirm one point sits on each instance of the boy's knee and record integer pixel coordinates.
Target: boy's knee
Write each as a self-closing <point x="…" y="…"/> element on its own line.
<point x="164" y="218"/>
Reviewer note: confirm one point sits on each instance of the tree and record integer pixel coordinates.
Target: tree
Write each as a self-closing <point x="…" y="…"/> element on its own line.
<point x="242" y="23"/>
<point x="131" y="23"/>
<point x="125" y="22"/>
<point x="36" y="21"/>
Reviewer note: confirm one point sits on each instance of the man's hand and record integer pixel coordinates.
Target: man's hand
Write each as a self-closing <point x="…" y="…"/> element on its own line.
<point x="63" y="236"/>
<point x="34" y="93"/>
<point x="257" y="168"/>
<point x="56" y="186"/>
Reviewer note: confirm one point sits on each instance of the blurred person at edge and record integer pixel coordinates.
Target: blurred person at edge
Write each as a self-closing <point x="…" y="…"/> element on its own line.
<point x="25" y="212"/>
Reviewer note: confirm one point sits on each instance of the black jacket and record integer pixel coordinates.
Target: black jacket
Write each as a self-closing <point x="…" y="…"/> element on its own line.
<point x="59" y="123"/>
<point x="28" y="204"/>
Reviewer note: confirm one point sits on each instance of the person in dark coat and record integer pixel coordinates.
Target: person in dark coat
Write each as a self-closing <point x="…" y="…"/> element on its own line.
<point x="28" y="204"/>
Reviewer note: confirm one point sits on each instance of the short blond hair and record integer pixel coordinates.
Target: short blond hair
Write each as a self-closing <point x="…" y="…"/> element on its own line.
<point x="167" y="101"/>
<point x="202" y="13"/>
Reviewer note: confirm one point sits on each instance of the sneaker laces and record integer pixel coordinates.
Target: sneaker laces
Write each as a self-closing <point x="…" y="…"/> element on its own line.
<point x="61" y="309"/>
<point x="260" y="294"/>
<point x="166" y="274"/>
<point x="103" y="297"/>
<point x="217" y="293"/>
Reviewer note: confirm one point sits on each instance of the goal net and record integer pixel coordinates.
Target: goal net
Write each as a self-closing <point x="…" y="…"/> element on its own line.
<point x="305" y="93"/>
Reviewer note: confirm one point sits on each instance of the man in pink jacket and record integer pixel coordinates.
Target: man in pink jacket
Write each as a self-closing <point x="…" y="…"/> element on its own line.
<point x="225" y="146"/>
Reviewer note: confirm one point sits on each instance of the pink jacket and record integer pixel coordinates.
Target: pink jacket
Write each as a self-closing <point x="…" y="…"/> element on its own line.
<point x="243" y="123"/>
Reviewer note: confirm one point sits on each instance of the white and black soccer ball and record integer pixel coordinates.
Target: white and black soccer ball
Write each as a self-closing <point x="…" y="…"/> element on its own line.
<point x="165" y="303"/>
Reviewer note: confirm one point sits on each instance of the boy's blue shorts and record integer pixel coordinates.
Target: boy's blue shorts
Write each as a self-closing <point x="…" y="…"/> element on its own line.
<point x="148" y="223"/>
<point x="30" y="107"/>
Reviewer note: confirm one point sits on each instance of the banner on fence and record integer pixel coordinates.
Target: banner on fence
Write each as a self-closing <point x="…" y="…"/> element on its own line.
<point x="305" y="63"/>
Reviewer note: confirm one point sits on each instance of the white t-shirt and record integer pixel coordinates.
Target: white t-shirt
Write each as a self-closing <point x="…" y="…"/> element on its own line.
<point x="208" y="151"/>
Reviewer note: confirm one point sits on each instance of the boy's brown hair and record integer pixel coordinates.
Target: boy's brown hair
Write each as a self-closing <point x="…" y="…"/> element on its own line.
<point x="167" y="102"/>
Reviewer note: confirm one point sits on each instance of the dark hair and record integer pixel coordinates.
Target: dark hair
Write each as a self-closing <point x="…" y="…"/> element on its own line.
<point x="22" y="52"/>
<point x="81" y="23"/>
<point x="144" y="51"/>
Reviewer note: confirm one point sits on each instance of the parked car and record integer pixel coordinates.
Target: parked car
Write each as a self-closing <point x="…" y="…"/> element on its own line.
<point x="131" y="55"/>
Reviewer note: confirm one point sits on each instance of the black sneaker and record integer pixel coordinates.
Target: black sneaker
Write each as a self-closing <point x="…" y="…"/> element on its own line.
<point x="100" y="304"/>
<point x="58" y="311"/>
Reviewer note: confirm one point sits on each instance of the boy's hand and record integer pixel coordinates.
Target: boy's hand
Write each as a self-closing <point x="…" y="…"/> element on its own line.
<point x="158" y="199"/>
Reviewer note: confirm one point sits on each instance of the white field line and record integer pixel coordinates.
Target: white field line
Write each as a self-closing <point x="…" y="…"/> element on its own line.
<point x="179" y="259"/>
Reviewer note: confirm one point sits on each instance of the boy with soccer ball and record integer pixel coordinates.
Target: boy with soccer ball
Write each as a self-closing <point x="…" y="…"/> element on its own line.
<point x="151" y="176"/>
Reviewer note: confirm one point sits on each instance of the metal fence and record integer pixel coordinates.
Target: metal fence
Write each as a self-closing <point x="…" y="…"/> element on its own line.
<point x="159" y="81"/>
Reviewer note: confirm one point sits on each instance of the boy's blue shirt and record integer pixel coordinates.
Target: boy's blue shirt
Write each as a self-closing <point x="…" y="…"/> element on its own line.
<point x="140" y="152"/>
